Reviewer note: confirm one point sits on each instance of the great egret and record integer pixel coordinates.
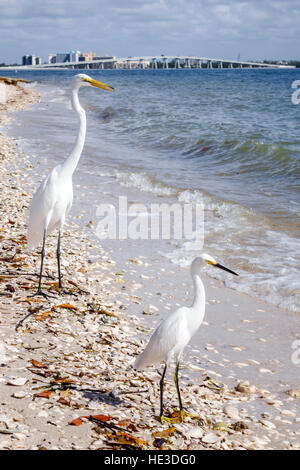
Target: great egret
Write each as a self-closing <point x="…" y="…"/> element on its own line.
<point x="174" y="333"/>
<point x="53" y="199"/>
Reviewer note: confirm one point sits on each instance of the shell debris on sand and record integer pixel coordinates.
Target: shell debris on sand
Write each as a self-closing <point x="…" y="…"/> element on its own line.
<point x="69" y="383"/>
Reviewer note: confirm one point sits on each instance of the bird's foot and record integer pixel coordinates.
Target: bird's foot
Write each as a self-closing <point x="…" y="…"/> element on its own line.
<point x="185" y="414"/>
<point x="164" y="419"/>
<point x="176" y="417"/>
<point x="40" y="292"/>
<point x="179" y="415"/>
<point x="62" y="291"/>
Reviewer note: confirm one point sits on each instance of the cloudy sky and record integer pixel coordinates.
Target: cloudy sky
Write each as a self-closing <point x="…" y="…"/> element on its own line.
<point x="255" y="29"/>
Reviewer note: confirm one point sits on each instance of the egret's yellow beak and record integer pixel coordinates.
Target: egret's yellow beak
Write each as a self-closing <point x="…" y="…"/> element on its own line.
<point x="98" y="84"/>
<point x="220" y="266"/>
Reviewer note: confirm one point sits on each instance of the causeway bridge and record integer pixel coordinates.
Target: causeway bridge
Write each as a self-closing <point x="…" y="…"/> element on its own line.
<point x="154" y="62"/>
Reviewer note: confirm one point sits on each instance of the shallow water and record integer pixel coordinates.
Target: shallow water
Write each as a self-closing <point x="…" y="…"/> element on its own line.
<point x="227" y="138"/>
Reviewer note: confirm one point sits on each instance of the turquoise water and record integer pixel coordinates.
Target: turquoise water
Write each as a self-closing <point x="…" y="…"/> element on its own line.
<point x="230" y="138"/>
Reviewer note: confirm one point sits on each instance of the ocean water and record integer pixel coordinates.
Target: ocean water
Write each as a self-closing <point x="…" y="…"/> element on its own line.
<point x="227" y="138"/>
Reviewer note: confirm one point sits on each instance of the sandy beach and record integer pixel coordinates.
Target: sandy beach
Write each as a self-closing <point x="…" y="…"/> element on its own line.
<point x="66" y="378"/>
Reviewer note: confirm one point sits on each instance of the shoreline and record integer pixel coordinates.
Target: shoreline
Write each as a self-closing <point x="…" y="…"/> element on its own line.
<point x="95" y="330"/>
<point x="253" y="237"/>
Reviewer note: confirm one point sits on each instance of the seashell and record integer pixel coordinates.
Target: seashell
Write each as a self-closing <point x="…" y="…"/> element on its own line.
<point x="273" y="402"/>
<point x="253" y="362"/>
<point x="220" y="426"/>
<point x="289" y="413"/>
<point x="294" y="393"/>
<point x="210" y="438"/>
<point x="244" y="387"/>
<point x="145" y="312"/>
<point x="264" y="393"/>
<point x="195" y="433"/>
<point x="231" y="411"/>
<point x="17" y="381"/>
<point x="261" y="441"/>
<point x="262" y="370"/>
<point x="268" y="424"/>
<point x="20" y="394"/>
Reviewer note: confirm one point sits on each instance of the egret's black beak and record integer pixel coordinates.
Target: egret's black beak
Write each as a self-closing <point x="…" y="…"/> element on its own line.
<point x="217" y="265"/>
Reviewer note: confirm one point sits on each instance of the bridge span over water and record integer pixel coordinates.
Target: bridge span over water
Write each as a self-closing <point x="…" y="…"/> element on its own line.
<point x="154" y="62"/>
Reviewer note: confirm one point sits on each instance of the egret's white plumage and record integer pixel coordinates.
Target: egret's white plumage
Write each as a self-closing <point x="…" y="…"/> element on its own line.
<point x="167" y="341"/>
<point x="53" y="199"/>
<point x="174" y="333"/>
<point x="49" y="207"/>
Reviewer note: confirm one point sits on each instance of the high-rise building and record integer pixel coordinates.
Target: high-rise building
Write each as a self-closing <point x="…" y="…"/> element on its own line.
<point x="31" y="60"/>
<point x="62" y="57"/>
<point x="74" y="55"/>
<point x="52" y="59"/>
<point x="86" y="56"/>
<point x="71" y="56"/>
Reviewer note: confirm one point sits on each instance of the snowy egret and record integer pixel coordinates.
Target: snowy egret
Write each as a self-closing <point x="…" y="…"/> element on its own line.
<point x="53" y="199"/>
<point x="174" y="333"/>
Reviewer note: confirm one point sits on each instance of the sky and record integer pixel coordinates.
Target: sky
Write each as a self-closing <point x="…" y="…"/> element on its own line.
<point x="253" y="29"/>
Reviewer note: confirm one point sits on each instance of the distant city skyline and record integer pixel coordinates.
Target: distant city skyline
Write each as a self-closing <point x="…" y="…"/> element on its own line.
<point x="89" y="60"/>
<point x="253" y="29"/>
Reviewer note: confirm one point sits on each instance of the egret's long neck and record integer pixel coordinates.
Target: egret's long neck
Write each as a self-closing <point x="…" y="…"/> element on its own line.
<point x="71" y="162"/>
<point x="199" y="296"/>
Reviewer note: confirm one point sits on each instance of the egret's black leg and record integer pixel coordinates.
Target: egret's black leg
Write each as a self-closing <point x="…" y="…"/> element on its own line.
<point x="177" y="386"/>
<point x="58" y="260"/>
<point x="39" y="291"/>
<point x="64" y="291"/>
<point x="161" y="386"/>
<point x="42" y="261"/>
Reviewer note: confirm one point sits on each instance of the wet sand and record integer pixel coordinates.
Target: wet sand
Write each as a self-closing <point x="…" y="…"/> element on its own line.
<point x="71" y="358"/>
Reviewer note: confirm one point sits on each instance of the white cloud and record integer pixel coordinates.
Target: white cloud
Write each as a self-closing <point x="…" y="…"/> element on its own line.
<point x="219" y="27"/>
